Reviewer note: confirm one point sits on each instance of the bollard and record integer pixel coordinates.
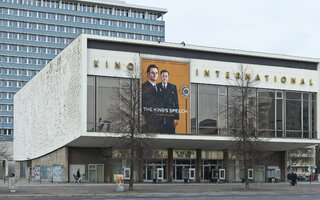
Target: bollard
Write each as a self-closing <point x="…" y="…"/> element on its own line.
<point x="12" y="184"/>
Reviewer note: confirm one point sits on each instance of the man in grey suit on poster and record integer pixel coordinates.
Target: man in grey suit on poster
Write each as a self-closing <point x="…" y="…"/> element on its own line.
<point x="150" y="101"/>
<point x="169" y="100"/>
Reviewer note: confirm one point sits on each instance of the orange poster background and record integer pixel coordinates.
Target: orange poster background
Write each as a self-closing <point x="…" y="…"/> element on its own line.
<point x="179" y="75"/>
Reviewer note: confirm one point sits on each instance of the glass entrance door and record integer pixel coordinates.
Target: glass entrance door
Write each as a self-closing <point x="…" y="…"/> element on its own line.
<point x="151" y="167"/>
<point x="179" y="173"/>
<point x="206" y="173"/>
<point x="208" y="169"/>
<point x="181" y="169"/>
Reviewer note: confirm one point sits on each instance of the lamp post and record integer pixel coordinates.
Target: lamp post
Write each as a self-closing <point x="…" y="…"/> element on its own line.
<point x="185" y="92"/>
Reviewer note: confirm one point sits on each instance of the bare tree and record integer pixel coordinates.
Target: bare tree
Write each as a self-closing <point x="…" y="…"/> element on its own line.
<point x="135" y="144"/>
<point x="242" y="119"/>
<point x="4" y="154"/>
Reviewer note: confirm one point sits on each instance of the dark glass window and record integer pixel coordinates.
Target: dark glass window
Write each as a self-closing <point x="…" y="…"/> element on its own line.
<point x="234" y="97"/>
<point x="194" y="112"/>
<point x="266" y="113"/>
<point x="208" y="110"/>
<point x="293" y="114"/>
<point x="108" y="104"/>
<point x="90" y="103"/>
<point x="305" y="113"/>
<point x="222" y="113"/>
<point x="279" y="117"/>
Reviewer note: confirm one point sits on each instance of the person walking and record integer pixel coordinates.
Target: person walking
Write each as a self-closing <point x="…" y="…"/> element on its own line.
<point x="78" y="176"/>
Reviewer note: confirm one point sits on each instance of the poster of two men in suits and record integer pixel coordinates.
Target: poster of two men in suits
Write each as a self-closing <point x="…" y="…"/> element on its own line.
<point x="165" y="107"/>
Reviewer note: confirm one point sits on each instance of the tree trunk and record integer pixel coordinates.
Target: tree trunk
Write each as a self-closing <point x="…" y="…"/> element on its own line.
<point x="131" y="170"/>
<point x="246" y="167"/>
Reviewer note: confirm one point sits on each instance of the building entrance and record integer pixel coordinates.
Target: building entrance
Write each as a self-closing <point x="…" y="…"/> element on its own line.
<point x="181" y="169"/>
<point x="150" y="169"/>
<point x="209" y="170"/>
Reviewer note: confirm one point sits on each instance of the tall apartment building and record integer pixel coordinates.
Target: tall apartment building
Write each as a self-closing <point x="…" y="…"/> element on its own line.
<point x="32" y="32"/>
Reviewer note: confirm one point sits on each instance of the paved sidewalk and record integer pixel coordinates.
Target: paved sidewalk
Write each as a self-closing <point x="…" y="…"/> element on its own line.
<point x="71" y="189"/>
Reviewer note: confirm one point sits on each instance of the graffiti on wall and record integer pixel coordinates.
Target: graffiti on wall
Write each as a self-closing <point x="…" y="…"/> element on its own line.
<point x="43" y="172"/>
<point x="37" y="173"/>
<point x="49" y="173"/>
<point x="57" y="173"/>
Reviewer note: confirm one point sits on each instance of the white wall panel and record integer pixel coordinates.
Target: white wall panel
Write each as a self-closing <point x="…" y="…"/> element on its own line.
<point x="48" y="109"/>
<point x="261" y="70"/>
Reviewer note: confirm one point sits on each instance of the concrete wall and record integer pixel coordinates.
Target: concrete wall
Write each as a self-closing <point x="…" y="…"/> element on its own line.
<point x="49" y="110"/>
<point x="52" y="167"/>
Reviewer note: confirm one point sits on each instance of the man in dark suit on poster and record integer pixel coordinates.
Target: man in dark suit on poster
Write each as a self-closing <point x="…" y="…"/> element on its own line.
<point x="169" y="100"/>
<point x="150" y="101"/>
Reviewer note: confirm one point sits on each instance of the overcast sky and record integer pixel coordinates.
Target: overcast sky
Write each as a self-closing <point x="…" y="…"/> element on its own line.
<point x="289" y="27"/>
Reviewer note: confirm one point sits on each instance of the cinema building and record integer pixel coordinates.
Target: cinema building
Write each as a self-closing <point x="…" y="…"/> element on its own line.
<point x="65" y="116"/>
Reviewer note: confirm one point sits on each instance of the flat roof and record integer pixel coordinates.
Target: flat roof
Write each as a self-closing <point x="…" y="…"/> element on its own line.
<point x="124" y="4"/>
<point x="184" y="46"/>
<point x="191" y="142"/>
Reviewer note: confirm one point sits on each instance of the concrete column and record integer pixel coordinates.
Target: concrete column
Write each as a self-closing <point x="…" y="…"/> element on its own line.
<point x="129" y="13"/>
<point x="29" y="170"/>
<point x="225" y="164"/>
<point x="3" y="169"/>
<point x="266" y="173"/>
<point x="66" y="165"/>
<point x="317" y="158"/>
<point x="283" y="166"/>
<point x="95" y="9"/>
<point x="170" y="166"/>
<point x="198" y="166"/>
<point x="140" y="166"/>
<point x="108" y="165"/>
<point x="60" y="5"/>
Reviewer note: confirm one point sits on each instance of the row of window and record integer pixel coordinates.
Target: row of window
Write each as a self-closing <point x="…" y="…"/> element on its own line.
<point x="38" y="38"/>
<point x="86" y="8"/>
<point x="6" y="132"/>
<point x="78" y="19"/>
<point x="29" y="49"/>
<point x="69" y="30"/>
<point x="28" y="61"/>
<point x="215" y="109"/>
<point x="273" y="113"/>
<point x="16" y="84"/>
<point x="18" y="72"/>
<point x="6" y="107"/>
<point x="6" y="120"/>
<point x="6" y="95"/>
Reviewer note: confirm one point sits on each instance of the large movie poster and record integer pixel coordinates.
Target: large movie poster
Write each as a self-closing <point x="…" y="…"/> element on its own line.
<point x="165" y="96"/>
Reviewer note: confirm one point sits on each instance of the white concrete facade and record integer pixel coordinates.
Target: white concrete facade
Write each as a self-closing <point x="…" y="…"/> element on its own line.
<point x="50" y="111"/>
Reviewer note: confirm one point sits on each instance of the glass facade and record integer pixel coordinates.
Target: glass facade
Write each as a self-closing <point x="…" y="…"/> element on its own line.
<point x="32" y="32"/>
<point x="274" y="113"/>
